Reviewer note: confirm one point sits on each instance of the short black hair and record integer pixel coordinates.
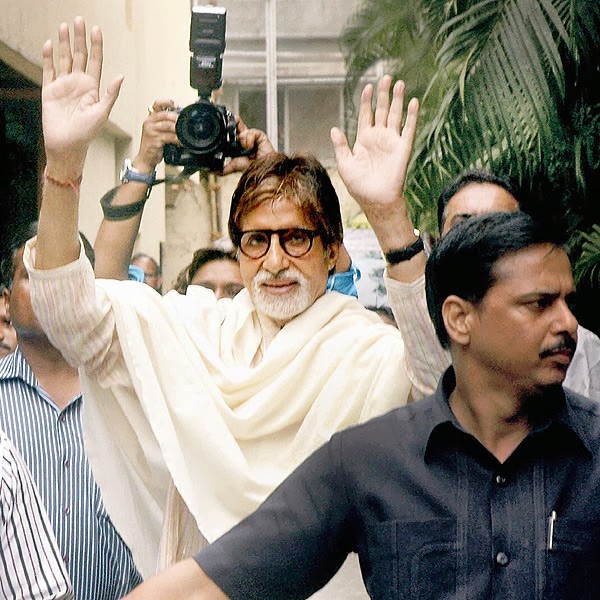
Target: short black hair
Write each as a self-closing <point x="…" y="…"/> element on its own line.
<point x="466" y="178"/>
<point x="144" y="255"/>
<point x="462" y="264"/>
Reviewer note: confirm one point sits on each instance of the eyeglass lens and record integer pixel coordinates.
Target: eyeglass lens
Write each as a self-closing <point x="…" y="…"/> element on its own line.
<point x="295" y="242"/>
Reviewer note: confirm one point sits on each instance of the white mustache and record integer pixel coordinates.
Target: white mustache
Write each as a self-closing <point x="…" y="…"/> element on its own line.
<point x="290" y="273"/>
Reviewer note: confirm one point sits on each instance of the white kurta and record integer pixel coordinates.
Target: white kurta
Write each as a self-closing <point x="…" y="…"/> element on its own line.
<point x="171" y="393"/>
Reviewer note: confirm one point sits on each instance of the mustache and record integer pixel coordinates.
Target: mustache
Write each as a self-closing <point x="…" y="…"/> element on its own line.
<point x="568" y="343"/>
<point x="289" y="273"/>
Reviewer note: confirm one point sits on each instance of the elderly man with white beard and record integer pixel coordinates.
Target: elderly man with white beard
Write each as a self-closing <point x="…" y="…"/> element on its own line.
<point x="197" y="408"/>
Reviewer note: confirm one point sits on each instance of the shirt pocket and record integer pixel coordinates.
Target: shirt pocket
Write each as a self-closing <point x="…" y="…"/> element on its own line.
<point x="414" y="560"/>
<point x="573" y="564"/>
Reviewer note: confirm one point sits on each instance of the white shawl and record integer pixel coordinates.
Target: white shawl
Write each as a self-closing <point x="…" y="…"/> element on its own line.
<point x="181" y="402"/>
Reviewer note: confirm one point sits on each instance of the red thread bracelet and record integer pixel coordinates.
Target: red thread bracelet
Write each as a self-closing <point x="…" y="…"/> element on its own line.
<point x="74" y="185"/>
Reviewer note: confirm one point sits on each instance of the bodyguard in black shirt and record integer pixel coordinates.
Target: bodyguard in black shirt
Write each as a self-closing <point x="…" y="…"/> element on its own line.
<point x="490" y="488"/>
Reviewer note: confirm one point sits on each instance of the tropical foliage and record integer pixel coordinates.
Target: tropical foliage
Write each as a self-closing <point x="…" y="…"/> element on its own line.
<point x="509" y="85"/>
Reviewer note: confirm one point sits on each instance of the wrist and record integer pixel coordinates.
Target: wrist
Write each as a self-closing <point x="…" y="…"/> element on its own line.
<point x="143" y="166"/>
<point x="405" y="253"/>
<point x="65" y="169"/>
<point x="130" y="173"/>
<point x="392" y="225"/>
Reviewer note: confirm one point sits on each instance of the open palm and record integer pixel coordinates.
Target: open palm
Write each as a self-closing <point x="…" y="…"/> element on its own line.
<point x="374" y="170"/>
<point x="72" y="111"/>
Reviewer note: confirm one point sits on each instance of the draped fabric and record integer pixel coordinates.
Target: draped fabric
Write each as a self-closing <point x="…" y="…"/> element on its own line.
<point x="175" y="393"/>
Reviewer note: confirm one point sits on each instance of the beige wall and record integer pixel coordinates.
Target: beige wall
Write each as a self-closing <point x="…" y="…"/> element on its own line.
<point x="147" y="42"/>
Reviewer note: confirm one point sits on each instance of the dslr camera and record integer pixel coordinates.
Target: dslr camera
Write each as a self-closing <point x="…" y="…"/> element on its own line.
<point x="206" y="131"/>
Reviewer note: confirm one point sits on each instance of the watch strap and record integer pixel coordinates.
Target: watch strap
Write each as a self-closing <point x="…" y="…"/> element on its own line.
<point x="120" y="213"/>
<point x="393" y="257"/>
<point x="130" y="173"/>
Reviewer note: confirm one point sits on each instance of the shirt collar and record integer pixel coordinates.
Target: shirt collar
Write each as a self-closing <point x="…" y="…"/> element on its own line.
<point x="440" y="417"/>
<point x="14" y="366"/>
<point x="577" y="422"/>
<point x="567" y="421"/>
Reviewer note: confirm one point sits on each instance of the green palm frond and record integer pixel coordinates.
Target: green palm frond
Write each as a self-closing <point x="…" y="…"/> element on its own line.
<point x="587" y="267"/>
<point x="510" y="88"/>
<point x="503" y="72"/>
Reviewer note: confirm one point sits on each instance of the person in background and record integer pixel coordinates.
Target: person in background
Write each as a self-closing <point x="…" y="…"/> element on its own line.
<point x="40" y="410"/>
<point x="31" y="567"/>
<point x="151" y="269"/>
<point x="8" y="335"/>
<point x="212" y="268"/>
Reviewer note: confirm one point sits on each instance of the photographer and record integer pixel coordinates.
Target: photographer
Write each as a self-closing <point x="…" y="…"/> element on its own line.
<point x="123" y="212"/>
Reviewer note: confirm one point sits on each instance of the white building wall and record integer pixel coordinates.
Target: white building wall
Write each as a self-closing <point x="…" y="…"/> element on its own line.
<point x="147" y="42"/>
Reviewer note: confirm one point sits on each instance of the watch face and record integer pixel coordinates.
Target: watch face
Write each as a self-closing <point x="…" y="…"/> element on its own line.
<point x="123" y="175"/>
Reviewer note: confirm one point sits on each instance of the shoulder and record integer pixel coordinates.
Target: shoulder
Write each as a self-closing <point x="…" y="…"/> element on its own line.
<point x="584" y="414"/>
<point x="583" y="406"/>
<point x="405" y="427"/>
<point x="10" y="462"/>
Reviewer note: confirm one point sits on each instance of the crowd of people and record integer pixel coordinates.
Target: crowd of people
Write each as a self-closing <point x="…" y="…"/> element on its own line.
<point x="254" y="430"/>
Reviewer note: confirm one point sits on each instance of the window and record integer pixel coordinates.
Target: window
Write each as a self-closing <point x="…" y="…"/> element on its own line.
<point x="305" y="115"/>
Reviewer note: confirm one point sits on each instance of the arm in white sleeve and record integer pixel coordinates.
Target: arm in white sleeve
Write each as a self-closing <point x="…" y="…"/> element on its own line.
<point x="426" y="360"/>
<point x="77" y="320"/>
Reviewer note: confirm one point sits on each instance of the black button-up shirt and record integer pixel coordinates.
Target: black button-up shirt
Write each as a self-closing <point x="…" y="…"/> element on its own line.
<point x="431" y="512"/>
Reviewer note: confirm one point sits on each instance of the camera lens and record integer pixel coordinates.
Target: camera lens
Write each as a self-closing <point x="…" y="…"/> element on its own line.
<point x="199" y="126"/>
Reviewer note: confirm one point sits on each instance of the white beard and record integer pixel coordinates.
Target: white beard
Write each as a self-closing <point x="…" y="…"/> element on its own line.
<point x="284" y="307"/>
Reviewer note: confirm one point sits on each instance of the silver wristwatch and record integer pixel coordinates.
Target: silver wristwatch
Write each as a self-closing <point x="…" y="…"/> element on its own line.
<point x="129" y="173"/>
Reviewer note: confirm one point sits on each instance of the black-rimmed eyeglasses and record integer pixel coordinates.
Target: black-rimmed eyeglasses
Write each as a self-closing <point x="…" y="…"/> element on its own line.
<point x="296" y="242"/>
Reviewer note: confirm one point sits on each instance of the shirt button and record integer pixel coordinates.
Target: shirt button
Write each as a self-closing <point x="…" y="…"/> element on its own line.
<point x="66" y="463"/>
<point x="67" y="510"/>
<point x="502" y="559"/>
<point x="500" y="480"/>
<point x="61" y="418"/>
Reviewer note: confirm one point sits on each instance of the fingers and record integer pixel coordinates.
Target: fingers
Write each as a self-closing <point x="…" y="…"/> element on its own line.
<point x="80" y="53"/>
<point x="365" y="112"/>
<point x="94" y="67"/>
<point x="382" y="107"/>
<point x="48" y="72"/>
<point x="163" y="105"/>
<point x="76" y="61"/>
<point x="394" y="119"/>
<point x="410" y="125"/>
<point x="236" y="165"/>
<point x="65" y="60"/>
<point x="257" y="140"/>
<point x="341" y="149"/>
<point x="386" y="114"/>
<point x="240" y="125"/>
<point x="111" y="95"/>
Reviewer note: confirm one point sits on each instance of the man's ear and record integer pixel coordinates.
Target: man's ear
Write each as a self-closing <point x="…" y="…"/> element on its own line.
<point x="5" y="299"/>
<point x="332" y="253"/>
<point x="457" y="313"/>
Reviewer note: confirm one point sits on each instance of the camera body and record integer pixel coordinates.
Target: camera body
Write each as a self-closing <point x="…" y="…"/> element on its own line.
<point x="206" y="131"/>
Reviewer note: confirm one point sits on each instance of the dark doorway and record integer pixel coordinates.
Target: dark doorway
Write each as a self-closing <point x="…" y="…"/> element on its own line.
<point x="21" y="152"/>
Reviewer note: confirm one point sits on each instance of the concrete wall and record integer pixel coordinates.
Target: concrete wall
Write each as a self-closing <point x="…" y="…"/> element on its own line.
<point x="147" y="42"/>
